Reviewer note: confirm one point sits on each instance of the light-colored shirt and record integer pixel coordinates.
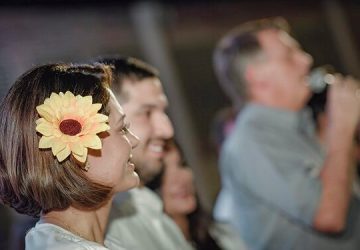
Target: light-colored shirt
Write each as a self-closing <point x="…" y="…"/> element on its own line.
<point x="47" y="236"/>
<point x="138" y="221"/>
<point x="226" y="237"/>
<point x="270" y="168"/>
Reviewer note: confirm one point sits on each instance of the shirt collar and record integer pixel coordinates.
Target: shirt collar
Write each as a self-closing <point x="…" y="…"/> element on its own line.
<point x="281" y="118"/>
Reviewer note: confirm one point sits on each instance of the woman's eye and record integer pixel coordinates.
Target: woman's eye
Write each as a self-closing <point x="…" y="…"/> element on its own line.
<point x="125" y="129"/>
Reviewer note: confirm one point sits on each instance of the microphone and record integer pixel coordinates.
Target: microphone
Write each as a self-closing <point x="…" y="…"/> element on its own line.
<point x="320" y="77"/>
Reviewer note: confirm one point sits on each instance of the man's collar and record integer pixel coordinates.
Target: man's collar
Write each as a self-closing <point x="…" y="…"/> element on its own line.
<point x="281" y="118"/>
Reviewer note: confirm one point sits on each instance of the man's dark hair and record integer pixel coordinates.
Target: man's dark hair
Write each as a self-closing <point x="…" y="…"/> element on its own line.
<point x="129" y="68"/>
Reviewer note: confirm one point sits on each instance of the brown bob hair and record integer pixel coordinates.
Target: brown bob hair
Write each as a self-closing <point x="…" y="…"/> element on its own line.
<point x="32" y="180"/>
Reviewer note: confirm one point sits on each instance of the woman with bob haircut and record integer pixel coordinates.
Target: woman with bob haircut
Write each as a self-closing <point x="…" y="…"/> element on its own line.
<point x="65" y="152"/>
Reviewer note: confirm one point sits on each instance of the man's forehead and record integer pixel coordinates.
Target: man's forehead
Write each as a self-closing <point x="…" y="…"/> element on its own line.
<point x="276" y="38"/>
<point x="287" y="39"/>
<point x="147" y="92"/>
<point x="144" y="85"/>
<point x="159" y="101"/>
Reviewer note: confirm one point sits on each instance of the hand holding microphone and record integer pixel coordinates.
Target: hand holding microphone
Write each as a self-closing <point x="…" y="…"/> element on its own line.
<point x="343" y="103"/>
<point x="322" y="76"/>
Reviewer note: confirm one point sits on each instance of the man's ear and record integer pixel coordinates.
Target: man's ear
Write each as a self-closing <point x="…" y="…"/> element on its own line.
<point x="253" y="74"/>
<point x="249" y="73"/>
<point x="256" y="76"/>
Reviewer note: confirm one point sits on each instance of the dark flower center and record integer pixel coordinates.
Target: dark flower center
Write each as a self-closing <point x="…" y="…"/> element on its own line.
<point x="70" y="127"/>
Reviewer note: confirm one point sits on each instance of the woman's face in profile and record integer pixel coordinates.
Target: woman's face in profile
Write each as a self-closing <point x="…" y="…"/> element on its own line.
<point x="112" y="165"/>
<point x="177" y="188"/>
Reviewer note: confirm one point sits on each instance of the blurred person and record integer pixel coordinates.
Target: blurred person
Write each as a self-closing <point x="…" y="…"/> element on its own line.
<point x="283" y="191"/>
<point x="317" y="105"/>
<point x="137" y="217"/>
<point x="66" y="150"/>
<point x="175" y="184"/>
<point x="221" y="126"/>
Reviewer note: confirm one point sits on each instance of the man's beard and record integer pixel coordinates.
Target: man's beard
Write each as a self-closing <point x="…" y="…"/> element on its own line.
<point x="148" y="172"/>
<point x="155" y="182"/>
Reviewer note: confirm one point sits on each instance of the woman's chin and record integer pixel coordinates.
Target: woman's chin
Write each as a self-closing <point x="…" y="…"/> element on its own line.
<point x="131" y="181"/>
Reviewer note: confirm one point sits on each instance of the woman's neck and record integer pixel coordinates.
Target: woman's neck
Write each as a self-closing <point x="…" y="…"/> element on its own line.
<point x="90" y="225"/>
<point x="183" y="223"/>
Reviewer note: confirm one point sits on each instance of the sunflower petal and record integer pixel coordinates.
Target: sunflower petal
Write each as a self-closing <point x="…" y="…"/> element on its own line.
<point x="40" y="120"/>
<point x="63" y="154"/>
<point x="68" y="99"/>
<point x="96" y="143"/>
<point x="55" y="98"/>
<point x="55" y="103"/>
<point x="45" y="128"/>
<point x="94" y="108"/>
<point x="85" y="101"/>
<point x="58" y="145"/>
<point x="91" y="141"/>
<point x="77" y="148"/>
<point x="100" y="118"/>
<point x="100" y="128"/>
<point x="45" y="111"/>
<point x="69" y="95"/>
<point x="81" y="158"/>
<point x="46" y="142"/>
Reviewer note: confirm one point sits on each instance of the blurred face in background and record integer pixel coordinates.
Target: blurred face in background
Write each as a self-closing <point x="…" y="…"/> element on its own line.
<point x="145" y="110"/>
<point x="177" y="189"/>
<point x="284" y="70"/>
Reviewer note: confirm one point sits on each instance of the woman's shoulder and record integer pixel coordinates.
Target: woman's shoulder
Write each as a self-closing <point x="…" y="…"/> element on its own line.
<point x="46" y="236"/>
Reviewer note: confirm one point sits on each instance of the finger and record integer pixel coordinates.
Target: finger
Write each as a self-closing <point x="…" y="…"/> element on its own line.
<point x="352" y="83"/>
<point x="357" y="94"/>
<point x="337" y="81"/>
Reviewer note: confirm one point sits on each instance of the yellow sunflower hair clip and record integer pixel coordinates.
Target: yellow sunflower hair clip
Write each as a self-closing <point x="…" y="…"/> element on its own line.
<point x="69" y="125"/>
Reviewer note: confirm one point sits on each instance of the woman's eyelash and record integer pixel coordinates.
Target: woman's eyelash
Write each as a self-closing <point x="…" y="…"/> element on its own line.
<point x="125" y="128"/>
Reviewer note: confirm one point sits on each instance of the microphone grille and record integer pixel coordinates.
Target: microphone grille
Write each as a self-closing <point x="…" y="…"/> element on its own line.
<point x="318" y="77"/>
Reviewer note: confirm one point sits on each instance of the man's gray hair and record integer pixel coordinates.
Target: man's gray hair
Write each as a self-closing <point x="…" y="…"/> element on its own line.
<point x="234" y="52"/>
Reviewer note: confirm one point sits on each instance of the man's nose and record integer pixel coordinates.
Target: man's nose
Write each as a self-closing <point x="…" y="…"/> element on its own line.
<point x="163" y="126"/>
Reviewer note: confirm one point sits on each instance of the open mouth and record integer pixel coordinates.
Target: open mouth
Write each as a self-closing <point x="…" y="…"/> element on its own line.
<point x="157" y="148"/>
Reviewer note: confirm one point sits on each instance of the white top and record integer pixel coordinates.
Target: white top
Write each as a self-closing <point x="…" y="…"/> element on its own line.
<point x="138" y="221"/>
<point x="46" y="236"/>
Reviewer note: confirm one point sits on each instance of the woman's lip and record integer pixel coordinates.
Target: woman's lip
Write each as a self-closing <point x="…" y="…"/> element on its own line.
<point x="131" y="166"/>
